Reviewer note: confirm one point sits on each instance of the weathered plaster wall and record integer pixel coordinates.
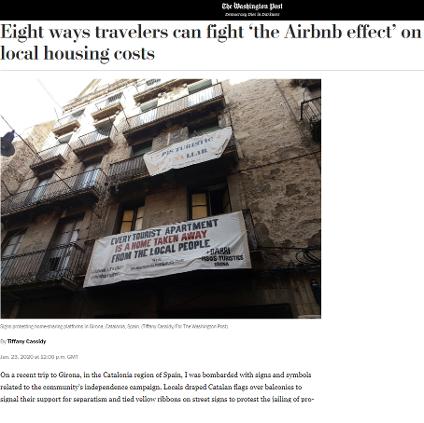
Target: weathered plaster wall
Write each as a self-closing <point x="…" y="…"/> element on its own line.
<point x="279" y="172"/>
<point x="15" y="169"/>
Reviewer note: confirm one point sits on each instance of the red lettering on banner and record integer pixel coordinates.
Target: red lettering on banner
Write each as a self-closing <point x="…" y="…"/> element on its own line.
<point x="193" y="235"/>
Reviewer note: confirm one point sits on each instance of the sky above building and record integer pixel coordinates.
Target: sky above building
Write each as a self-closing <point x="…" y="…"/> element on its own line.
<point x="26" y="101"/>
<point x="29" y="100"/>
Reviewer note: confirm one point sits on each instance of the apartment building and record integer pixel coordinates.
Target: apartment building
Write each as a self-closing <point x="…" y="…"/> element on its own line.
<point x="107" y="222"/>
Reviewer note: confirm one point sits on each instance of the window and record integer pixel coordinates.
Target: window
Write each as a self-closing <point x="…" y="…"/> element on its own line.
<point x="132" y="219"/>
<point x="38" y="191"/>
<point x="148" y="105"/>
<point x="65" y="139"/>
<point x="72" y="116"/>
<point x="105" y="128"/>
<point x="113" y="99"/>
<point x="12" y="243"/>
<point x="77" y="114"/>
<point x="88" y="178"/>
<point x="316" y="290"/>
<point x="199" y="205"/>
<point x="200" y="85"/>
<point x="67" y="231"/>
<point x="141" y="149"/>
<point x="58" y="258"/>
<point x="150" y="82"/>
<point x="10" y="247"/>
<point x="204" y="127"/>
<point x="209" y="201"/>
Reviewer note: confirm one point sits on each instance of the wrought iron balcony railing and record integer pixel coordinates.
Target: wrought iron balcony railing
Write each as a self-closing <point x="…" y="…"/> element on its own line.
<point x="67" y="123"/>
<point x="50" y="158"/>
<point x="127" y="169"/>
<point x="149" y="84"/>
<point x="50" y="153"/>
<point x="90" y="181"/>
<point x="108" y="107"/>
<point x="148" y="89"/>
<point x="310" y="112"/>
<point x="62" y="263"/>
<point x="68" y="118"/>
<point x="110" y="101"/>
<point x="167" y="110"/>
<point x="135" y="167"/>
<point x="101" y="135"/>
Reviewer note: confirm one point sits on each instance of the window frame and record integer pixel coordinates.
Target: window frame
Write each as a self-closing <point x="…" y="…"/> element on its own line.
<point x="8" y="237"/>
<point x="142" y="145"/>
<point x="38" y="190"/>
<point x="65" y="139"/>
<point x="130" y="207"/>
<point x="207" y="189"/>
<point x="197" y="86"/>
<point x="204" y="126"/>
<point x="149" y="105"/>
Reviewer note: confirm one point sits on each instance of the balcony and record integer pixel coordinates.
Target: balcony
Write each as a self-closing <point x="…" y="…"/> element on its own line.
<point x="147" y="90"/>
<point x="129" y="169"/>
<point x="134" y="169"/>
<point x="50" y="159"/>
<point x="75" y="189"/>
<point x="92" y="146"/>
<point x="189" y="104"/>
<point x="56" y="267"/>
<point x="310" y="113"/>
<point x="108" y="107"/>
<point x="67" y="124"/>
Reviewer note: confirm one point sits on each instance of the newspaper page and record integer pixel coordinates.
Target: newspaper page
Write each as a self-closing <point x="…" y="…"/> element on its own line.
<point x="168" y="194"/>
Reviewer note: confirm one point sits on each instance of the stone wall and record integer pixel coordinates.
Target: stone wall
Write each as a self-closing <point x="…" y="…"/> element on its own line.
<point x="280" y="171"/>
<point x="15" y="169"/>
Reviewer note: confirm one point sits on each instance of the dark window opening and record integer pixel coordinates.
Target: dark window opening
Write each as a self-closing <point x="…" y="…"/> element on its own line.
<point x="113" y="98"/>
<point x="149" y="105"/>
<point x="54" y="263"/>
<point x="65" y="139"/>
<point x="12" y="243"/>
<point x="204" y="126"/>
<point x="152" y="81"/>
<point x="67" y="231"/>
<point x="10" y="248"/>
<point x="60" y="255"/>
<point x="141" y="149"/>
<point x="209" y="201"/>
<point x="200" y="85"/>
<point x="105" y="128"/>
<point x="316" y="290"/>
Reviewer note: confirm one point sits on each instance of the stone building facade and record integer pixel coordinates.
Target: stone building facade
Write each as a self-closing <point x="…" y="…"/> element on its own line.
<point x="14" y="169"/>
<point x="90" y="181"/>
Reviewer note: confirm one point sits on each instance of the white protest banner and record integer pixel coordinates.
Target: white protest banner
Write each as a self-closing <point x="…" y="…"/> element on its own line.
<point x="186" y="153"/>
<point x="217" y="242"/>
